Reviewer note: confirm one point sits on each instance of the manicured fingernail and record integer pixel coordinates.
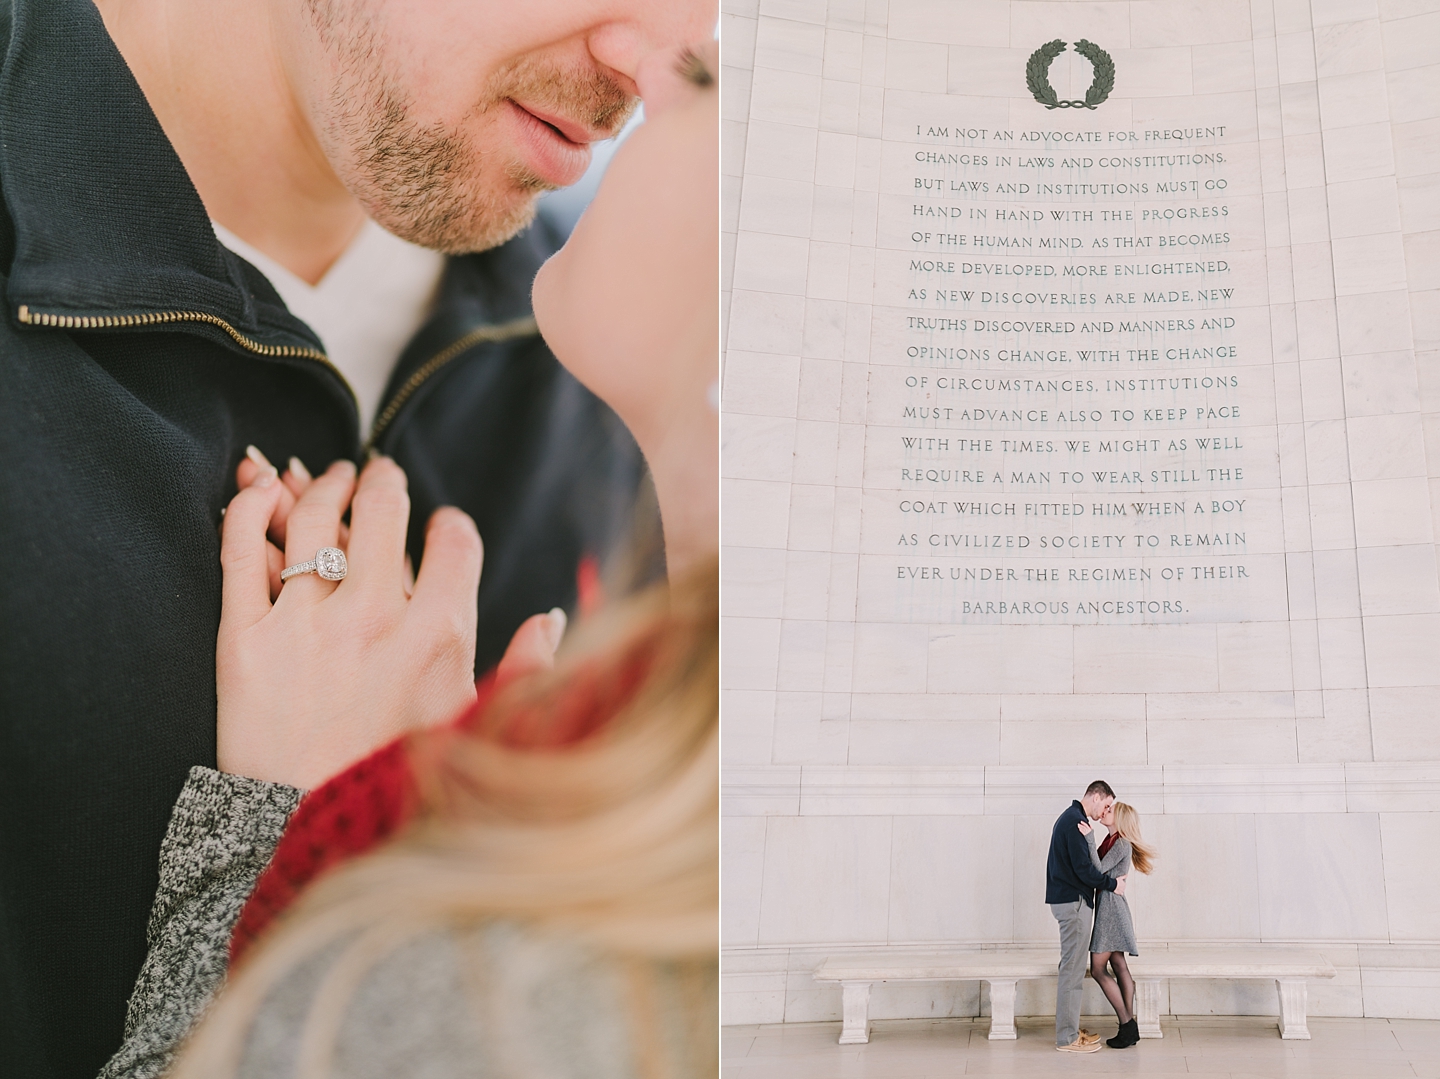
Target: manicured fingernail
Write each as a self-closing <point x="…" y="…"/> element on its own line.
<point x="253" y="452"/>
<point x="298" y="469"/>
<point x="558" y="621"/>
<point x="343" y="465"/>
<point x="265" y="477"/>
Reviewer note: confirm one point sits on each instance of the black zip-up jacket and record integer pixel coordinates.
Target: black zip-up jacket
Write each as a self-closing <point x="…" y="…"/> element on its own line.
<point x="1070" y="875"/>
<point x="138" y="357"/>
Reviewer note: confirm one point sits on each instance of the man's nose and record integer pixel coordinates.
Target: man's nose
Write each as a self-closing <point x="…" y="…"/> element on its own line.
<point x="647" y="25"/>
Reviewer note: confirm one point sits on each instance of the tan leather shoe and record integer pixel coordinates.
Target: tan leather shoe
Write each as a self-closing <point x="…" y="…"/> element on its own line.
<point x="1086" y="1036"/>
<point x="1079" y="1045"/>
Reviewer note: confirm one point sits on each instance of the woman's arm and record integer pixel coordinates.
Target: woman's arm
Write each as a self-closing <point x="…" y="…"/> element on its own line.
<point x="1084" y="867"/>
<point x="298" y="699"/>
<point x="1119" y="851"/>
<point x="221" y="835"/>
<point x="1090" y="841"/>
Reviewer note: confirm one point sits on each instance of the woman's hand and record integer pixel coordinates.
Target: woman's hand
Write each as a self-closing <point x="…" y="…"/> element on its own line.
<point x="1084" y="827"/>
<point x="332" y="671"/>
<point x="531" y="649"/>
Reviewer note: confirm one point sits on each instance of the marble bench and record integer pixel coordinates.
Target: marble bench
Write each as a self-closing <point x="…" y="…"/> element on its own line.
<point x="1003" y="969"/>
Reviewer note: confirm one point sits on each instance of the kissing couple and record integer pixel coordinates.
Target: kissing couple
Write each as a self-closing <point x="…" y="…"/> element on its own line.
<point x="1086" y="875"/>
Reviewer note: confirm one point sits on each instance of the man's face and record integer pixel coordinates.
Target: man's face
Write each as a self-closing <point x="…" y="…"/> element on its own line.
<point x="447" y="119"/>
<point x="1096" y="805"/>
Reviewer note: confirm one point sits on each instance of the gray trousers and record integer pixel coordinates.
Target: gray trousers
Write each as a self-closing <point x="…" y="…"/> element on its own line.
<point x="1074" y="919"/>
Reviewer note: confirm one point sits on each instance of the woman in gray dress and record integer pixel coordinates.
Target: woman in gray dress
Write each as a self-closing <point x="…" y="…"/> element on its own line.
<point x="1114" y="932"/>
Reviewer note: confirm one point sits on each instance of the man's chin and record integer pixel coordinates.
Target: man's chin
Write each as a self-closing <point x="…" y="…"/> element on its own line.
<point x="454" y="234"/>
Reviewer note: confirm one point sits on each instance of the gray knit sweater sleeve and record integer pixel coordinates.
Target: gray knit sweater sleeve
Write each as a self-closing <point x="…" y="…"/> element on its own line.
<point x="222" y="833"/>
<point x="1117" y="854"/>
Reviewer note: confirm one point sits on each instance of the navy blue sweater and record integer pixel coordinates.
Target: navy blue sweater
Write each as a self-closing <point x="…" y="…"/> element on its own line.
<point x="1069" y="872"/>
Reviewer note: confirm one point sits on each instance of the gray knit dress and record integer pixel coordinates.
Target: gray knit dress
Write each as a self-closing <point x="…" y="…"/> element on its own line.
<point x="1114" y="931"/>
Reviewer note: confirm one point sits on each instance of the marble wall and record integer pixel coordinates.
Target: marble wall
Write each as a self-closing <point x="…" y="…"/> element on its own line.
<point x="894" y="754"/>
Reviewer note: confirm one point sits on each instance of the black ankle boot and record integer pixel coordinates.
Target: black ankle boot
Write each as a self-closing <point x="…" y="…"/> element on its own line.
<point x="1126" y="1036"/>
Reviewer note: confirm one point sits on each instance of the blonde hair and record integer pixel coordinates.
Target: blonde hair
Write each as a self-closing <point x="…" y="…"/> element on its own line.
<point x="612" y="840"/>
<point x="1127" y="825"/>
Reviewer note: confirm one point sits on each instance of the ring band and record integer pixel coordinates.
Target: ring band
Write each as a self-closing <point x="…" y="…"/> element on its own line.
<point x="329" y="563"/>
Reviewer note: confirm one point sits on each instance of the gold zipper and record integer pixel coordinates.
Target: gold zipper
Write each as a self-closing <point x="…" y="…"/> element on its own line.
<point x="504" y="331"/>
<point x="155" y="318"/>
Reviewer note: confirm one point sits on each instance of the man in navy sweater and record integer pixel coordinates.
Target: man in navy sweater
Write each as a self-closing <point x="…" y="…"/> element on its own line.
<point x="1070" y="878"/>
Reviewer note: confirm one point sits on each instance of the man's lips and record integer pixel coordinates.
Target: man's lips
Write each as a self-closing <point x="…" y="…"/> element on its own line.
<point x="572" y="130"/>
<point x="555" y="148"/>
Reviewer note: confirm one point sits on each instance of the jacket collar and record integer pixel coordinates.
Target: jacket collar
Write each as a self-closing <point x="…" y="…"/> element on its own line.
<point x="106" y="221"/>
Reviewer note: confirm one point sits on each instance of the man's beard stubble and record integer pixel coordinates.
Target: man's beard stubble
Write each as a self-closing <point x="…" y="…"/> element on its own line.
<point x="435" y="185"/>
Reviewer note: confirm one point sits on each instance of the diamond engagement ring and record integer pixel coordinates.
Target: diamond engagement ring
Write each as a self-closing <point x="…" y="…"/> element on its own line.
<point x="329" y="562"/>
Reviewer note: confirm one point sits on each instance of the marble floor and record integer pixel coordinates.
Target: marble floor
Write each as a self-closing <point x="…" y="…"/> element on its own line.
<point x="1216" y="1047"/>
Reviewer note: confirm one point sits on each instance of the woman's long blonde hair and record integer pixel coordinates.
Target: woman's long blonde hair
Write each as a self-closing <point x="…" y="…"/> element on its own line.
<point x="612" y="840"/>
<point x="1127" y="825"/>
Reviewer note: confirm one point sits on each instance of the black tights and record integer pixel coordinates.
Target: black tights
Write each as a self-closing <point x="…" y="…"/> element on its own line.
<point x="1119" y="990"/>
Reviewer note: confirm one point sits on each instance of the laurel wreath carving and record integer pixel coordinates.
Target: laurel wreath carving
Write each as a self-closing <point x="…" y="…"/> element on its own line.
<point x="1037" y="74"/>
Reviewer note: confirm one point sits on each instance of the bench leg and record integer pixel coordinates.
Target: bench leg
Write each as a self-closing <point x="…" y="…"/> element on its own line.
<point x="856" y="1004"/>
<point x="1293" y="999"/>
<point x="1002" y="1011"/>
<point x="1147" y="1007"/>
